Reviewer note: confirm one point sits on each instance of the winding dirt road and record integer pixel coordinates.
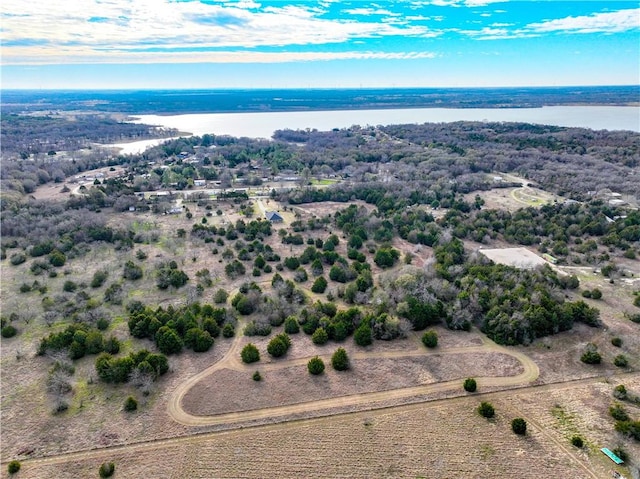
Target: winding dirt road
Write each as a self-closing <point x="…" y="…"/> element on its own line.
<point x="231" y="361"/>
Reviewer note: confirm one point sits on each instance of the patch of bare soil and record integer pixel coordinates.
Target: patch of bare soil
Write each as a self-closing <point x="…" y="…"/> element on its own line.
<point x="230" y="391"/>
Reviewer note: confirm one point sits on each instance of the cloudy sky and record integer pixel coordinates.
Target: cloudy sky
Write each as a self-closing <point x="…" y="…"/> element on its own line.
<point x="323" y="43"/>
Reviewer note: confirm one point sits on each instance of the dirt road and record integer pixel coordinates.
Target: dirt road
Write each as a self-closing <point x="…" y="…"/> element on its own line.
<point x="369" y="400"/>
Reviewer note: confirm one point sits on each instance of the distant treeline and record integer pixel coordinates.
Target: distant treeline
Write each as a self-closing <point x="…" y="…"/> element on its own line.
<point x="219" y="101"/>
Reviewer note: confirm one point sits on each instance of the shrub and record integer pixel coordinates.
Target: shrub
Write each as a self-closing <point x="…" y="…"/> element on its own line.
<point x="486" y="410"/>
<point x="106" y="469"/>
<point x="254" y="328"/>
<point x="291" y="325"/>
<point x="319" y="285"/>
<point x="618" y="413"/>
<point x="519" y="426"/>
<point x="220" y="296"/>
<point x="319" y="336"/>
<point x="99" y="277"/>
<point x="132" y="271"/>
<point x="228" y="331"/>
<point x="13" y="467"/>
<point x="596" y="294"/>
<point x="621" y="361"/>
<point x="130" y="404"/>
<point x="577" y="441"/>
<point x="57" y="258"/>
<point x="363" y="335"/>
<point x="69" y="286"/>
<point x="470" y="385"/>
<point x="617" y="342"/>
<point x="250" y="354"/>
<point x="102" y="324"/>
<point x="620" y="392"/>
<point x="591" y="355"/>
<point x="315" y="365"/>
<point x="430" y="339"/>
<point x="9" y="331"/>
<point x="17" y="258"/>
<point x="340" y="360"/>
<point x="279" y="345"/>
<point x="256" y="376"/>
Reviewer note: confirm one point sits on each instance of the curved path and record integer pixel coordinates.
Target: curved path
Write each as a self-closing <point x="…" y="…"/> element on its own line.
<point x="231" y="361"/>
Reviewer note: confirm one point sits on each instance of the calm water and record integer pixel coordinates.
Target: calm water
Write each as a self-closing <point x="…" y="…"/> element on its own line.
<point x="262" y="125"/>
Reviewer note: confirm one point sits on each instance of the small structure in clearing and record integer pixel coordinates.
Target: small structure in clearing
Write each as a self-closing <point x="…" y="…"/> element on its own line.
<point x="520" y="258"/>
<point x="274" y="217"/>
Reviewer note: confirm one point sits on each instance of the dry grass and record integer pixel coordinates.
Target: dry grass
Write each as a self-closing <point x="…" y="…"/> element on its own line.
<point x="438" y="439"/>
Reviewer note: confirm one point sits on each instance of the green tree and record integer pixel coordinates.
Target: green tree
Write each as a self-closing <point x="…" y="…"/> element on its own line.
<point x="106" y="469"/>
<point x="228" y="331"/>
<point x="470" y="385"/>
<point x="278" y="346"/>
<point x="13" y="467"/>
<point x="340" y="360"/>
<point x="577" y="441"/>
<point x="250" y="354"/>
<point x="57" y="258"/>
<point x="220" y="296"/>
<point x="430" y="339"/>
<point x="363" y="335"/>
<point x="257" y="376"/>
<point x="519" y="426"/>
<point x="319" y="285"/>
<point x="319" y="336"/>
<point x="130" y="404"/>
<point x="486" y="410"/>
<point x="621" y="361"/>
<point x="168" y="341"/>
<point x="9" y="331"/>
<point x="315" y="365"/>
<point x="291" y="325"/>
<point x="591" y="355"/>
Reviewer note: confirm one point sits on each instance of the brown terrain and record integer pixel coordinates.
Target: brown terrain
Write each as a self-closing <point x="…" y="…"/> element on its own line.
<point x="399" y="412"/>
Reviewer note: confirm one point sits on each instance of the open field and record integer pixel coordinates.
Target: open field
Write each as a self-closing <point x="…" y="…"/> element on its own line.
<point x="408" y="441"/>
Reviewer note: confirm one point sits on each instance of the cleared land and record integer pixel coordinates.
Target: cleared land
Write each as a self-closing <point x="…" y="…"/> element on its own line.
<point x="516" y="257"/>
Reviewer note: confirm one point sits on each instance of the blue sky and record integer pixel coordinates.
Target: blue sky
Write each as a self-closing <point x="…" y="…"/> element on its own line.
<point x="324" y="43"/>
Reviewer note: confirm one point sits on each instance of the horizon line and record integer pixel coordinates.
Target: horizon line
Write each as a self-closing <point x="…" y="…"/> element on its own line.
<point x="337" y="88"/>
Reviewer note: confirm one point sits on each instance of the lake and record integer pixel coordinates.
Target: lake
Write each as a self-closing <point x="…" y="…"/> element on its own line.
<point x="262" y="125"/>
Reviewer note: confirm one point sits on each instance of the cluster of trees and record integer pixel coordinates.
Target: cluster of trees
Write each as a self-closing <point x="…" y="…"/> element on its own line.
<point x="194" y="326"/>
<point x="112" y="369"/>
<point x="79" y="340"/>
<point x="587" y="232"/>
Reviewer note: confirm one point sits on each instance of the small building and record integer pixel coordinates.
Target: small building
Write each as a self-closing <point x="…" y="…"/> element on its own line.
<point x="612" y="456"/>
<point x="274" y="217"/>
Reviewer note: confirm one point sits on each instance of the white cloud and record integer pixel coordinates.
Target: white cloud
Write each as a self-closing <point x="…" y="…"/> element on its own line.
<point x="370" y="11"/>
<point x="608" y="22"/>
<point x="39" y="30"/>
<point x="89" y="56"/>
<point x="481" y="3"/>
